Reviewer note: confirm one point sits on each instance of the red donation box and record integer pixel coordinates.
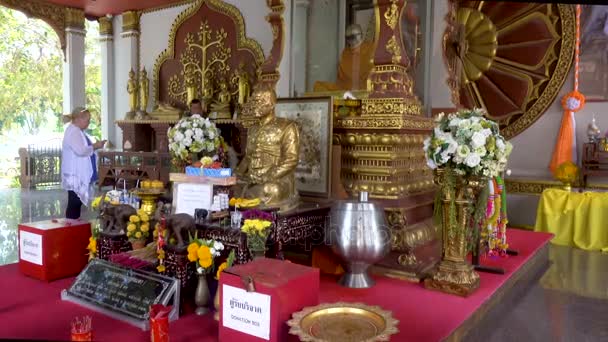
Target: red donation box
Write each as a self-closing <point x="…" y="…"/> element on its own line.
<point x="56" y="249"/>
<point x="258" y="298"/>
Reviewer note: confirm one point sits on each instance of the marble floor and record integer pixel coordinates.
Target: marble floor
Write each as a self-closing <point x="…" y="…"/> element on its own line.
<point x="568" y="302"/>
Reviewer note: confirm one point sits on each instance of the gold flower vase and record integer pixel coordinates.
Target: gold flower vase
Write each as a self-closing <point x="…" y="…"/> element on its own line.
<point x="455" y="274"/>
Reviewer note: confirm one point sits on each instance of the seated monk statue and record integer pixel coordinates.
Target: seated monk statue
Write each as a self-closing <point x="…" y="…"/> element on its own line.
<point x="220" y="109"/>
<point x="268" y="169"/>
<point x="355" y="63"/>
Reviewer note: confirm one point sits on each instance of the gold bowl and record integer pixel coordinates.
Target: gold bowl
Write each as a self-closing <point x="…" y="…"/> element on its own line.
<point x="344" y="322"/>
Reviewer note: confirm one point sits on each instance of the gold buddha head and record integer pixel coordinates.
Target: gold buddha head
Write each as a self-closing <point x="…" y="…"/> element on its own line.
<point x="224" y="85"/>
<point x="143" y="74"/>
<point x="261" y="102"/>
<point x="131" y="74"/>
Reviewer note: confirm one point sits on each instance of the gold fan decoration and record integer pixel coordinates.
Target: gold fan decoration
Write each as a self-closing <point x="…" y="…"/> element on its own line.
<point x="510" y="58"/>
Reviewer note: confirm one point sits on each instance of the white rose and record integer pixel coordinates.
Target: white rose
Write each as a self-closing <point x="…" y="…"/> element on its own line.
<point x="486" y="131"/>
<point x="478" y="140"/>
<point x="472" y="160"/>
<point x="218" y="246"/>
<point x="188" y="132"/>
<point x="463" y="151"/>
<point x="431" y="163"/>
<point x="500" y="144"/>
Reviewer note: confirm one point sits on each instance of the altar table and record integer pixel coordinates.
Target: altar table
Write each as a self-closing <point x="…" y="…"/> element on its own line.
<point x="32" y="309"/>
<point x="576" y="219"/>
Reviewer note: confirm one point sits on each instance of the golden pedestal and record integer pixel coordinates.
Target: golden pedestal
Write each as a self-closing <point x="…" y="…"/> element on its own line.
<point x="149" y="198"/>
<point x="458" y="194"/>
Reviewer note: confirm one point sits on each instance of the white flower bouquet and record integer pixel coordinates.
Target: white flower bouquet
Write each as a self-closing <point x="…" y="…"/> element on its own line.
<point x="194" y="135"/>
<point x="467" y="143"/>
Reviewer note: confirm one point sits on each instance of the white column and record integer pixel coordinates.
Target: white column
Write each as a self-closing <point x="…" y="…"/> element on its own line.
<point x="73" y="70"/>
<point x="106" y="43"/>
<point x="300" y="46"/>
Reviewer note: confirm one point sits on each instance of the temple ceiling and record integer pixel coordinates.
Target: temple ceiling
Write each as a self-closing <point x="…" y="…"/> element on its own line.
<point x="98" y="8"/>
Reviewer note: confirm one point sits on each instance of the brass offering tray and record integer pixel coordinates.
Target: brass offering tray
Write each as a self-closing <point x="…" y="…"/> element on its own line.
<point x="343" y="322"/>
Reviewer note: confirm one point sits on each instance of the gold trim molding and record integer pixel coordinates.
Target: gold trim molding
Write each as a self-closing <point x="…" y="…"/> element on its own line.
<point x="105" y="26"/>
<point x="130" y="21"/>
<point x="536" y="187"/>
<point x="74" y="18"/>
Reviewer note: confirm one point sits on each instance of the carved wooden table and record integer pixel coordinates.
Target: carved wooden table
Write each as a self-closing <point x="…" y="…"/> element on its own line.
<point x="303" y="227"/>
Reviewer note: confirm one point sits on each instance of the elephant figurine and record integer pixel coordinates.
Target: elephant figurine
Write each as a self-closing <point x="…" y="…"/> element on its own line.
<point x="114" y="218"/>
<point x="180" y="226"/>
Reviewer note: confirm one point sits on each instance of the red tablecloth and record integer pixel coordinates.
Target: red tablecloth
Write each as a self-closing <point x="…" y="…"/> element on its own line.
<point x="32" y="309"/>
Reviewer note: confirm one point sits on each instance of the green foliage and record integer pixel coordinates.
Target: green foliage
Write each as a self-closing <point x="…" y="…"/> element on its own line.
<point x="31" y="75"/>
<point x="31" y="67"/>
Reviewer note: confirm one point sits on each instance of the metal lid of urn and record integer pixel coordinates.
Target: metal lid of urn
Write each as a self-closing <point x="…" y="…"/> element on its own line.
<point x="358" y="233"/>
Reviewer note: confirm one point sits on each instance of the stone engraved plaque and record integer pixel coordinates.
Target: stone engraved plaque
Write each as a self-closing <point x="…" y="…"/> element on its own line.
<point x="123" y="293"/>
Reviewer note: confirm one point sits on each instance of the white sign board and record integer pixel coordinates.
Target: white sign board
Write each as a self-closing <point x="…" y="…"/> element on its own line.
<point x="190" y="196"/>
<point x="30" y="247"/>
<point x="247" y="312"/>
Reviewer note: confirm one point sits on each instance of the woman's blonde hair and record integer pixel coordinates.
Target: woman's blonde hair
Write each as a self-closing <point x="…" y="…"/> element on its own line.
<point x="78" y="112"/>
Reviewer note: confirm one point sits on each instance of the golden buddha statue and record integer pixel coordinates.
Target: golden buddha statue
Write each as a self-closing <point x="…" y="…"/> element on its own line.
<point x="244" y="87"/>
<point x="144" y="87"/>
<point x="208" y="90"/>
<point x="220" y="109"/>
<point x="190" y="82"/>
<point x="132" y="89"/>
<point x="273" y="145"/>
<point x="356" y="62"/>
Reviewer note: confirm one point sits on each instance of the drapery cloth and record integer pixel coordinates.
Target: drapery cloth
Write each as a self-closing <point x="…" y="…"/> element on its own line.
<point x="76" y="165"/>
<point x="577" y="219"/>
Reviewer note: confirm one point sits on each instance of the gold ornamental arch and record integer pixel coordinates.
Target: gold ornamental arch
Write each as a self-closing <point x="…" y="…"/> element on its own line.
<point x="510" y="58"/>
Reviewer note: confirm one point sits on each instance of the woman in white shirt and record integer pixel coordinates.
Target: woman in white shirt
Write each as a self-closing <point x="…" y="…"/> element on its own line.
<point x="78" y="161"/>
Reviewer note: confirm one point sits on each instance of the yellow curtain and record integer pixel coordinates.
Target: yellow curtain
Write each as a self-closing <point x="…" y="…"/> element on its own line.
<point x="576" y="219"/>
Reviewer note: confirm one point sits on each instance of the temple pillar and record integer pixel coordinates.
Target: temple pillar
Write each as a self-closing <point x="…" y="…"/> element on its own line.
<point x="300" y="46"/>
<point x="106" y="42"/>
<point x="382" y="153"/>
<point x="73" y="66"/>
<point x="130" y="32"/>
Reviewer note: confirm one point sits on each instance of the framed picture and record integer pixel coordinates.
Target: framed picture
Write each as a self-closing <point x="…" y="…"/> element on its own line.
<point x="314" y="118"/>
<point x="593" y="66"/>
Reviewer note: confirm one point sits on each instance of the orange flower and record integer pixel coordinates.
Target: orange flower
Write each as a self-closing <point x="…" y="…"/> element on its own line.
<point x="205" y="259"/>
<point x="220" y="269"/>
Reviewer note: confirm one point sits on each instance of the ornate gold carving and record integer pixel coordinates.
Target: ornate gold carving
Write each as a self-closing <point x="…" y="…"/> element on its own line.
<point x="390" y="78"/>
<point x="393" y="48"/>
<point x="406" y="238"/>
<point x="554" y="67"/>
<point x="74" y="18"/>
<point x="130" y="21"/>
<point x="275" y="31"/>
<point x="105" y="26"/>
<point x="386" y="165"/>
<point x="221" y="7"/>
<point x="455" y="275"/>
<point x="477" y="53"/>
<point x="333" y="321"/>
<point x="209" y="66"/>
<point x="391" y="16"/>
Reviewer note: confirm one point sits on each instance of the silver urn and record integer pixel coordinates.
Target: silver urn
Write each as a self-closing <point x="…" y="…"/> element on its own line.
<point x="358" y="233"/>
